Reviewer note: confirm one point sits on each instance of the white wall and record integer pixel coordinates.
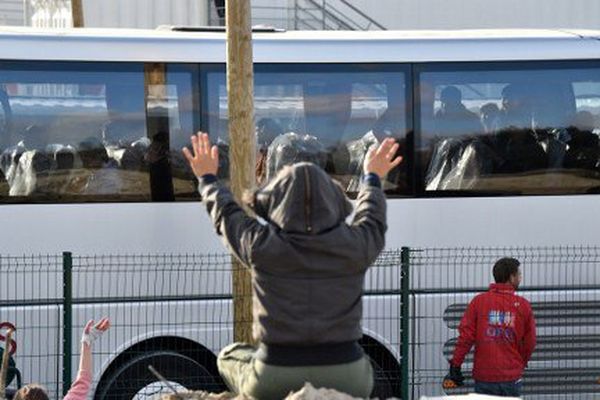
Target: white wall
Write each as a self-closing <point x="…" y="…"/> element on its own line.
<point x="144" y="13"/>
<point x="393" y="14"/>
<point x="11" y="12"/>
<point x="472" y="14"/>
<point x="450" y="14"/>
<point x="117" y="13"/>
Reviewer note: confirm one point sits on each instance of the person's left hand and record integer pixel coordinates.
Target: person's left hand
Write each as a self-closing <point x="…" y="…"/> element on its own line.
<point x="454" y="378"/>
<point x="205" y="160"/>
<point x="92" y="331"/>
<point x="380" y="159"/>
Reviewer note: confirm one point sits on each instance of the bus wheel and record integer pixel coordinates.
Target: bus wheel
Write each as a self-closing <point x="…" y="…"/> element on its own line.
<point x="386" y="370"/>
<point x="382" y="385"/>
<point x="133" y="380"/>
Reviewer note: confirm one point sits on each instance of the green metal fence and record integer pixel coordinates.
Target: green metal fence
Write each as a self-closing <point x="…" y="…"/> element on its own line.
<point x="31" y="297"/>
<point x="561" y="283"/>
<point x="175" y="313"/>
<point x="170" y="311"/>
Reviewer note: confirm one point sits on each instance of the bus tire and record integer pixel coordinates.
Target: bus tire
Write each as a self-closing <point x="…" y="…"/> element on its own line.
<point x="134" y="377"/>
<point x="386" y="369"/>
<point x="382" y="385"/>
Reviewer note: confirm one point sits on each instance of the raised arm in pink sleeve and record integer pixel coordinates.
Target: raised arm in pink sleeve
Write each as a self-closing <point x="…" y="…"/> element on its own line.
<point x="81" y="387"/>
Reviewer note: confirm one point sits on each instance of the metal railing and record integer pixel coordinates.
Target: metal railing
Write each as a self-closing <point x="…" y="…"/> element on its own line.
<point x="562" y="285"/>
<point x="308" y="15"/>
<point x="175" y="312"/>
<point x="332" y="15"/>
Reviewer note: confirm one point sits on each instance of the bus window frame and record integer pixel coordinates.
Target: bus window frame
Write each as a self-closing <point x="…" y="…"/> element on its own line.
<point x="65" y="66"/>
<point x="312" y="67"/>
<point x="476" y="66"/>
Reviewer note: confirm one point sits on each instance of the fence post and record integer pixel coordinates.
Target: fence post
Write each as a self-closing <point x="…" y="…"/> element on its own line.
<point x="404" y="322"/>
<point x="67" y="327"/>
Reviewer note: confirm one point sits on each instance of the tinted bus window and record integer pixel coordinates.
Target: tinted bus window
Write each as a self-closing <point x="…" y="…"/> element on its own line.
<point x="526" y="128"/>
<point x="328" y="114"/>
<point x="77" y="132"/>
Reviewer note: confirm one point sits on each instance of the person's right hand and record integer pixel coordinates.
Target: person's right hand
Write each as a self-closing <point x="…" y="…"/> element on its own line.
<point x="205" y="160"/>
<point x="92" y="331"/>
<point x="379" y="159"/>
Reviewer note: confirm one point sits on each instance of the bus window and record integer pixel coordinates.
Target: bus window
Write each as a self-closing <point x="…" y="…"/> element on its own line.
<point x="77" y="132"/>
<point x="330" y="114"/>
<point x="181" y="103"/>
<point x="526" y="128"/>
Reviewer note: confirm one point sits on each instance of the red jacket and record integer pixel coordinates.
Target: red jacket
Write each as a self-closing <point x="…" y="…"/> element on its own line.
<point x="501" y="326"/>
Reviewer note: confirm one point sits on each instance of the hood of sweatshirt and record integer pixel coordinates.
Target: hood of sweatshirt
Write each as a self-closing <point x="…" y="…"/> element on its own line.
<point x="302" y="198"/>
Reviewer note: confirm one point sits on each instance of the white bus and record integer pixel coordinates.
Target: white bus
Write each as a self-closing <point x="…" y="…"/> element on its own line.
<point x="499" y="131"/>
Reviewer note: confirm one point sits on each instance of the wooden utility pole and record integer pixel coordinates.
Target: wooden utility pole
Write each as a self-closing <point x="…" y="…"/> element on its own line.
<point x="242" y="144"/>
<point x="77" y="13"/>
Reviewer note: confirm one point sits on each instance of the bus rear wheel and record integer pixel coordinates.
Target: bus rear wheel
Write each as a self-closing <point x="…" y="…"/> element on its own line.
<point x="133" y="380"/>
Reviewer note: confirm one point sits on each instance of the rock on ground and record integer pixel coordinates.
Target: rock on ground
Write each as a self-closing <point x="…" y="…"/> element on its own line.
<point x="308" y="392"/>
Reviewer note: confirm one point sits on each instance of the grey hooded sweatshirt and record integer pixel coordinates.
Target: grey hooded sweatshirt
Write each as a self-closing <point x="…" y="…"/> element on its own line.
<point x="307" y="263"/>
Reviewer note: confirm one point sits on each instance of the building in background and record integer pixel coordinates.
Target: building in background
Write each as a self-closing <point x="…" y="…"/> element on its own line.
<point x="11" y="12"/>
<point x="426" y="14"/>
<point x="483" y="14"/>
<point x="314" y="14"/>
<point x="143" y="14"/>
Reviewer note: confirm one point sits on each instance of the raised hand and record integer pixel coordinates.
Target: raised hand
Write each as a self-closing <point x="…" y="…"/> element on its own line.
<point x="205" y="159"/>
<point x="379" y="159"/>
<point x="92" y="331"/>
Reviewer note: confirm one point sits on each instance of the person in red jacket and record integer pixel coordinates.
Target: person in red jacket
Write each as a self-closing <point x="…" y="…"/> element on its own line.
<point x="501" y="326"/>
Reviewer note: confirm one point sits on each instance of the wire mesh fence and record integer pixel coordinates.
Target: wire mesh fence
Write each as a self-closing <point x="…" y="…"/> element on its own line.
<point x="174" y="312"/>
<point x="31" y="295"/>
<point x="561" y="283"/>
<point x="382" y="323"/>
<point x="169" y="311"/>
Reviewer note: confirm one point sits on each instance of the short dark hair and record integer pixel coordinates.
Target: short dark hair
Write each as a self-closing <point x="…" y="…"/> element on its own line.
<point x="505" y="268"/>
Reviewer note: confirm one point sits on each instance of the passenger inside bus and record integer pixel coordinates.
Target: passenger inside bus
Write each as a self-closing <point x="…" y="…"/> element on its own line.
<point x="30" y="158"/>
<point x="44" y="156"/>
<point x="453" y="118"/>
<point x="389" y="124"/>
<point x="533" y="132"/>
<point x="516" y="108"/>
<point x="488" y="115"/>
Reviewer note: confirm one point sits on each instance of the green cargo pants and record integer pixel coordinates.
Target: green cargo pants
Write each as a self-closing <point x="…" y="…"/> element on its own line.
<point x="246" y="375"/>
